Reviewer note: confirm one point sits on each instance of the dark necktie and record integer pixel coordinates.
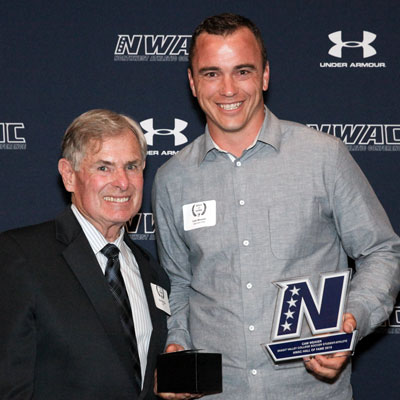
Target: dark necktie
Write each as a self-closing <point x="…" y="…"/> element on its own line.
<point x="117" y="287"/>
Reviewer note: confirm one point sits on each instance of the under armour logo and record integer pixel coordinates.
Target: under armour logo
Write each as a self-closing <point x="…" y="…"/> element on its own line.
<point x="336" y="50"/>
<point x="179" y="126"/>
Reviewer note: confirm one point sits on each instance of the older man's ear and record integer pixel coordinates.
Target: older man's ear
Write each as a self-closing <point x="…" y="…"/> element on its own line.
<point x="67" y="173"/>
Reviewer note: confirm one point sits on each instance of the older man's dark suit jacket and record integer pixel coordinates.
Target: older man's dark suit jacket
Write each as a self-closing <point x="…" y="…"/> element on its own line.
<point x="60" y="333"/>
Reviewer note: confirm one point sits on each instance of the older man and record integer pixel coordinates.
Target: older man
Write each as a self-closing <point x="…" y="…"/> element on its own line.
<point x="256" y="200"/>
<point x="80" y="314"/>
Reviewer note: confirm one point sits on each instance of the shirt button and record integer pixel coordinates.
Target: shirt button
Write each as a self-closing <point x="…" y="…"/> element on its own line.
<point x="241" y="202"/>
<point x="254" y="372"/>
<point x="238" y="163"/>
<point x="251" y="328"/>
<point x="245" y="242"/>
<point x="249" y="285"/>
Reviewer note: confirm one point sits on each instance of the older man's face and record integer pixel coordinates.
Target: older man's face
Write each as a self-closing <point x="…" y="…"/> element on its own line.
<point x="108" y="187"/>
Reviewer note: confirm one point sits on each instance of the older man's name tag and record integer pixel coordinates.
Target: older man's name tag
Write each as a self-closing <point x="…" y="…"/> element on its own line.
<point x="160" y="298"/>
<point x="199" y="215"/>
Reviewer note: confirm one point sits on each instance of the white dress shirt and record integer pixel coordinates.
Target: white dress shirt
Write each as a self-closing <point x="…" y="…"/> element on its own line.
<point x="133" y="283"/>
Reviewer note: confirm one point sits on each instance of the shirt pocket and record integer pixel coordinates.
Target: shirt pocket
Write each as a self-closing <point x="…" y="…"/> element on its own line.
<point x="295" y="229"/>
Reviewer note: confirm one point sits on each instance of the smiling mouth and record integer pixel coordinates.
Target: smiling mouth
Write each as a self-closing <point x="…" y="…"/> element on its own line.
<point x="116" y="199"/>
<point x="229" y="107"/>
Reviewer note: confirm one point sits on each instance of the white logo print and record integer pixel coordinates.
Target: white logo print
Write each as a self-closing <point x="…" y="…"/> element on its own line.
<point x="336" y="50"/>
<point x="140" y="47"/>
<point x="9" y="132"/>
<point x="179" y="126"/>
<point x="152" y="45"/>
<point x="9" y="136"/>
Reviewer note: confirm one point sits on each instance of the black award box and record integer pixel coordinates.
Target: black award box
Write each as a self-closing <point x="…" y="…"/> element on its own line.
<point x="189" y="371"/>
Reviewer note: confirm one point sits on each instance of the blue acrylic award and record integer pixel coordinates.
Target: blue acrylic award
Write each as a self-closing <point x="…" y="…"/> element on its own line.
<point x="323" y="312"/>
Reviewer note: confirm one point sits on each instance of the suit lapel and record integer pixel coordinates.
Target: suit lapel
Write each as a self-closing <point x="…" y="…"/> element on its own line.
<point x="83" y="263"/>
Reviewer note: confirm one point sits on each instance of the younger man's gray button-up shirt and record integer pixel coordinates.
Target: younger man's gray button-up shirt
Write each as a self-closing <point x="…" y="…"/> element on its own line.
<point x="295" y="204"/>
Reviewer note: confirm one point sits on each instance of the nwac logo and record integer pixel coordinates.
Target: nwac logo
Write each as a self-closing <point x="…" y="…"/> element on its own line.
<point x="336" y="38"/>
<point x="392" y="325"/>
<point x="152" y="48"/>
<point x="141" y="226"/>
<point x="176" y="132"/>
<point x="394" y="320"/>
<point x="9" y="136"/>
<point x="364" y="137"/>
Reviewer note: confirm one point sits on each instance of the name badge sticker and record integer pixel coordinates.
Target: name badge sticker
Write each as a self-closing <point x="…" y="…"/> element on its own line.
<point x="160" y="298"/>
<point x="199" y="215"/>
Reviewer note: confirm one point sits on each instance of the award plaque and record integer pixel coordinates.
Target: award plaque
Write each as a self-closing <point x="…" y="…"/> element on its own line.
<point x="324" y="314"/>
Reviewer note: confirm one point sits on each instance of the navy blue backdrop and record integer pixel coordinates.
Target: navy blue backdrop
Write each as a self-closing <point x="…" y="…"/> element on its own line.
<point x="334" y="66"/>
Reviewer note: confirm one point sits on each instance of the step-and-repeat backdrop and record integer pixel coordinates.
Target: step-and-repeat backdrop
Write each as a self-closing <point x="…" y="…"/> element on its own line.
<point x="334" y="66"/>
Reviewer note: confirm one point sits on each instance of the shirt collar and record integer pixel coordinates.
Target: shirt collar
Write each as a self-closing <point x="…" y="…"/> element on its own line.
<point x="269" y="134"/>
<point x="96" y="240"/>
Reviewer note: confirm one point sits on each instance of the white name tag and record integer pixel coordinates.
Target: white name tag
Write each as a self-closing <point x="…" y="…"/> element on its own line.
<point x="199" y="215"/>
<point x="160" y="298"/>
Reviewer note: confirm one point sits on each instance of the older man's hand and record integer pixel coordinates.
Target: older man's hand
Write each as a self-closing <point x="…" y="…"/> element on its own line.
<point x="171" y="348"/>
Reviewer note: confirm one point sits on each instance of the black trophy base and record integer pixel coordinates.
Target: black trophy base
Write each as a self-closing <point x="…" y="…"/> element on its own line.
<point x="189" y="372"/>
